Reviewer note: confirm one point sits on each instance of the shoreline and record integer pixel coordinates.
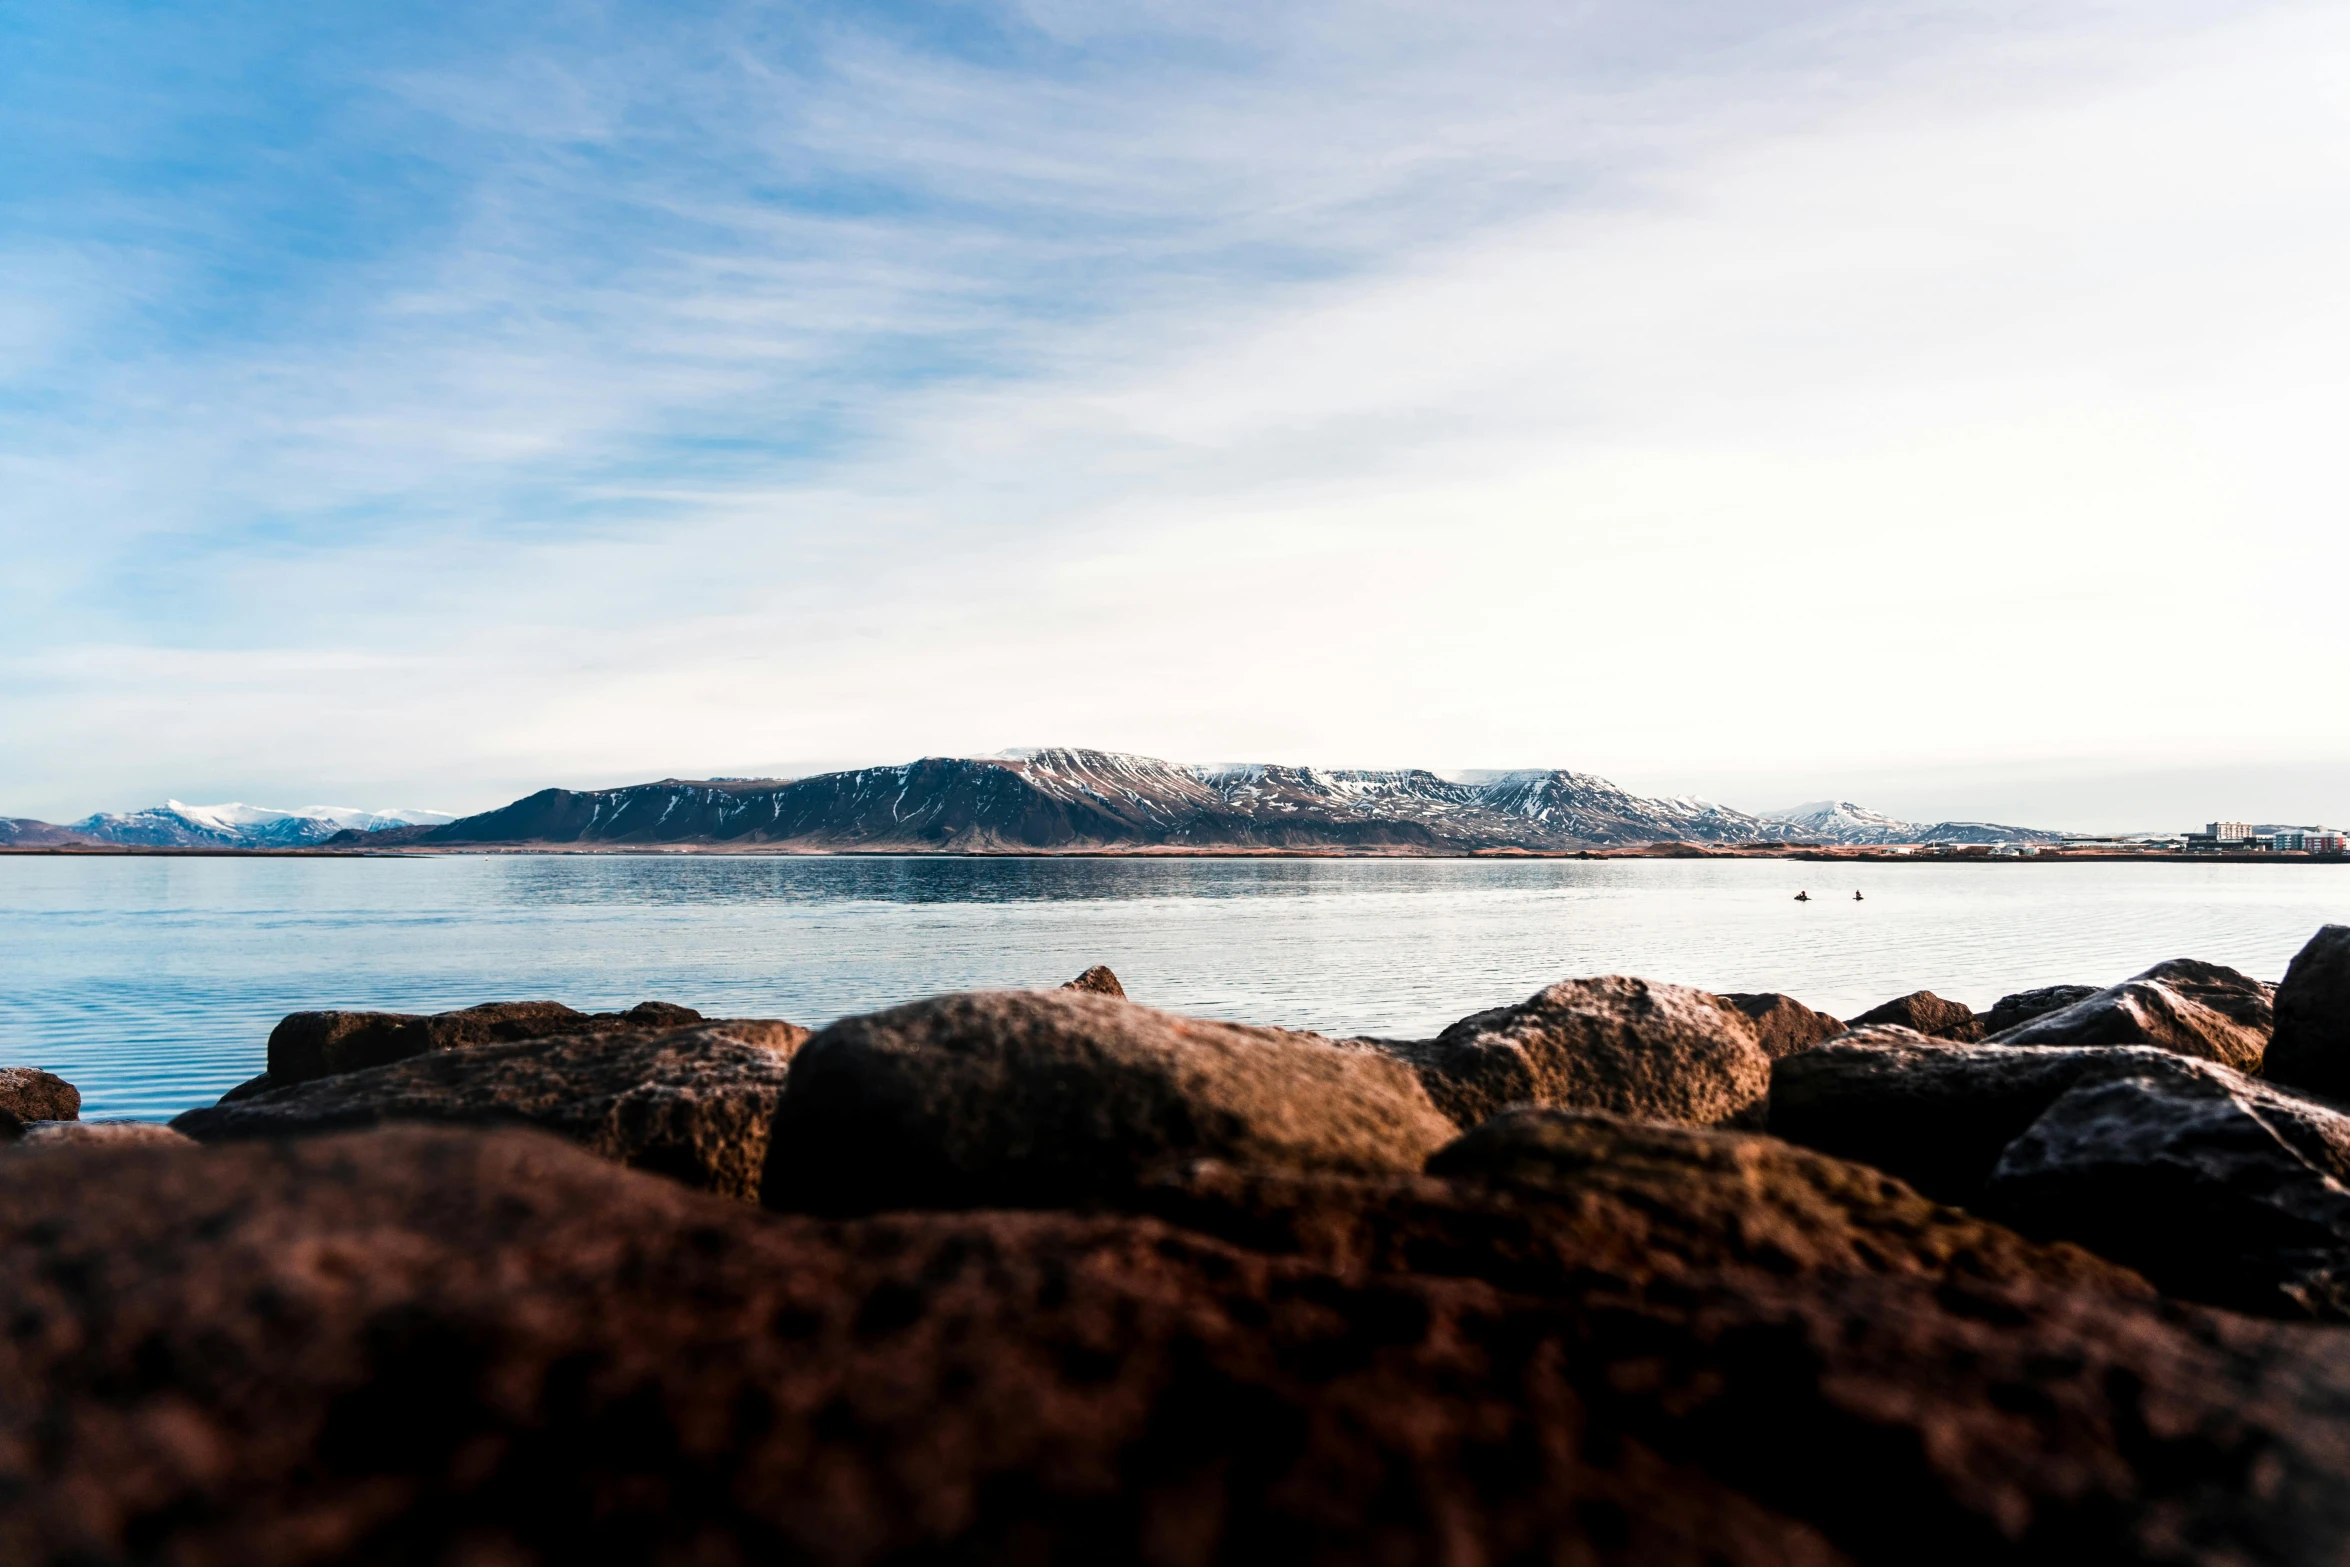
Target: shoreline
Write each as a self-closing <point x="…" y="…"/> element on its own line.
<point x="1830" y="854"/>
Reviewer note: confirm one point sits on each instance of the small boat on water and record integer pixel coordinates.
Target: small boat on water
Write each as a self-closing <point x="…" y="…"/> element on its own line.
<point x="1856" y="897"/>
<point x="1803" y="897"/>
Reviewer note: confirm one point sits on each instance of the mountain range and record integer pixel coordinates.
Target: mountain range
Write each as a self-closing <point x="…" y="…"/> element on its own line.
<point x="1056" y="799"/>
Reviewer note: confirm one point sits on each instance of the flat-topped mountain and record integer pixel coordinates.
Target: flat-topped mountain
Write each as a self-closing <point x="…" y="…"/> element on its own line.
<point x="1070" y="799"/>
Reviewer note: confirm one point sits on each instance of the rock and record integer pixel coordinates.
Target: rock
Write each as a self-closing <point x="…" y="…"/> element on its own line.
<point x="1100" y="981"/>
<point x="310" y="1045"/>
<point x="75" y="1134"/>
<point x="2187" y="1007"/>
<point x="1927" y="1014"/>
<point x="1660" y="1052"/>
<point x="28" y="1094"/>
<point x="2312" y="1045"/>
<point x="2215" y="1191"/>
<point x="694" y="1104"/>
<point x="426" y="1345"/>
<point x="2024" y="1005"/>
<point x="1782" y="1024"/>
<point x="1055" y="1098"/>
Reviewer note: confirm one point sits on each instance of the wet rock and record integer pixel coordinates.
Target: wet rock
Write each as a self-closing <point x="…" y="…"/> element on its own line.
<point x="2024" y="1005"/>
<point x="2184" y="1006"/>
<point x="1782" y="1024"/>
<point x="1659" y="1052"/>
<point x="2214" y="1190"/>
<point x="1054" y="1098"/>
<point x="1927" y="1014"/>
<point x="28" y="1094"/>
<point x="1098" y="980"/>
<point x="694" y="1104"/>
<point x="434" y="1346"/>
<point x="74" y="1134"/>
<point x="2311" y="1048"/>
<point x="310" y="1045"/>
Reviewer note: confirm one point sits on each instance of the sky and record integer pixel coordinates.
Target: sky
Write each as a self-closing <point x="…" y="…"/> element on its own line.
<point x="1938" y="406"/>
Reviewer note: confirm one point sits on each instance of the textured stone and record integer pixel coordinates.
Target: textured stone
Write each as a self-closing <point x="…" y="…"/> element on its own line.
<point x="310" y="1045"/>
<point x="2311" y="1048"/>
<point x="694" y="1104"/>
<point x="28" y="1094"/>
<point x="1927" y="1014"/>
<point x="1660" y="1052"/>
<point x="2183" y="1006"/>
<point x="2024" y="1005"/>
<point x="1100" y="981"/>
<point x="1782" y="1024"/>
<point x="427" y="1345"/>
<point x="1052" y="1098"/>
<point x="2213" y="1189"/>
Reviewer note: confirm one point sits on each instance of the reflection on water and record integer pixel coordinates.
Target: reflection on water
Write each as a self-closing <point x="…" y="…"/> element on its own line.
<point x="152" y="982"/>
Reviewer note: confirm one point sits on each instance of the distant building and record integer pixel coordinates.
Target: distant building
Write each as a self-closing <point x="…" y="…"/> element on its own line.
<point x="2230" y="832"/>
<point x="2306" y="841"/>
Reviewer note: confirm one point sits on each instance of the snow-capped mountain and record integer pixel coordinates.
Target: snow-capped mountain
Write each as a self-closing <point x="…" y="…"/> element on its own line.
<point x="176" y="825"/>
<point x="1841" y="821"/>
<point x="1065" y="798"/>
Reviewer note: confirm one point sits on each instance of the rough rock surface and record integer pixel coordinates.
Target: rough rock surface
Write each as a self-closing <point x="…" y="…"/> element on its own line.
<point x="1660" y="1052"/>
<point x="2184" y="1006"/>
<point x="1782" y="1024"/>
<point x="422" y="1345"/>
<point x="2024" y="1005"/>
<point x="1928" y="1014"/>
<point x="310" y="1045"/>
<point x="28" y="1094"/>
<point x="694" y="1104"/>
<point x="2212" y="1184"/>
<point x="73" y="1134"/>
<point x="1044" y="1098"/>
<point x="2312" y="1045"/>
<point x="2215" y="1191"/>
<point x="1100" y="981"/>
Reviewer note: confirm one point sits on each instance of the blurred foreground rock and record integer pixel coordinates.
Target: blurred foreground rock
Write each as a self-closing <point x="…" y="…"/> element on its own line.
<point x="2183" y="1006"/>
<point x="28" y="1094"/>
<point x="2311" y="1048"/>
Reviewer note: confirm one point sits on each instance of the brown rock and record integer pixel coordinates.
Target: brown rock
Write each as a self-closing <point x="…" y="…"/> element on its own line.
<point x="422" y="1345"/>
<point x="1782" y="1024"/>
<point x="2311" y="1048"/>
<point x="1927" y="1014"/>
<point x="28" y="1094"/>
<point x="1659" y="1052"/>
<point x="310" y="1045"/>
<point x="694" y="1104"/>
<point x="2025" y="1005"/>
<point x="75" y="1134"/>
<point x="1100" y="981"/>
<point x="2183" y="1006"/>
<point x="1054" y="1098"/>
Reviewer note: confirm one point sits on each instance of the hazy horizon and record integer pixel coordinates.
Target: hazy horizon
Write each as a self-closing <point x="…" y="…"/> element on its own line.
<point x="1929" y="405"/>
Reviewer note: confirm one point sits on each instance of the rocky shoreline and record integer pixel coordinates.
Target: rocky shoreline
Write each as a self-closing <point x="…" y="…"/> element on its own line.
<point x="1625" y="1272"/>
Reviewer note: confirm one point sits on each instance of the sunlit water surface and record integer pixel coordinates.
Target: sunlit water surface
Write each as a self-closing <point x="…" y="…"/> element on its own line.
<point x="152" y="983"/>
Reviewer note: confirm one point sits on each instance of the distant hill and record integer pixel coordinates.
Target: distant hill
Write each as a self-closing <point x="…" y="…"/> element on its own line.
<point x="1067" y="799"/>
<point x="1841" y="821"/>
<point x="173" y="825"/>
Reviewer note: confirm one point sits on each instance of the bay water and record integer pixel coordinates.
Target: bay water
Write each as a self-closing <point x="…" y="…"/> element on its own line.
<point x="152" y="982"/>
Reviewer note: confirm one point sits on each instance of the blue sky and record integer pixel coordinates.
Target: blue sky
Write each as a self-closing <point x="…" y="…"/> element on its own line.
<point x="1931" y="404"/>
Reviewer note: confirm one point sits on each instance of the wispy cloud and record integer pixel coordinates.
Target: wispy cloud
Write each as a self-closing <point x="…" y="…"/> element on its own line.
<point x="1733" y="397"/>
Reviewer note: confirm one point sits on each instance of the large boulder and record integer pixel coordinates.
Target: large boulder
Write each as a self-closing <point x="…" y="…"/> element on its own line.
<point x="1658" y="1052"/>
<point x="2184" y="1006"/>
<point x="694" y="1104"/>
<point x="309" y="1045"/>
<point x="28" y="1094"/>
<point x="1782" y="1024"/>
<point x="2212" y="1184"/>
<point x="2311" y="1048"/>
<point x="2024" y="1005"/>
<point x="2213" y="1190"/>
<point x="1927" y="1014"/>
<point x="428" y="1345"/>
<point x="1054" y="1098"/>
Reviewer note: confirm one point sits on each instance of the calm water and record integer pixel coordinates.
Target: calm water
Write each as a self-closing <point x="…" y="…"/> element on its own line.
<point x="152" y="983"/>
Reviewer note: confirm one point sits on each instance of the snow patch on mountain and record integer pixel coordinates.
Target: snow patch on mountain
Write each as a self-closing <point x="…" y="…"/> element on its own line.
<point x="175" y="824"/>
